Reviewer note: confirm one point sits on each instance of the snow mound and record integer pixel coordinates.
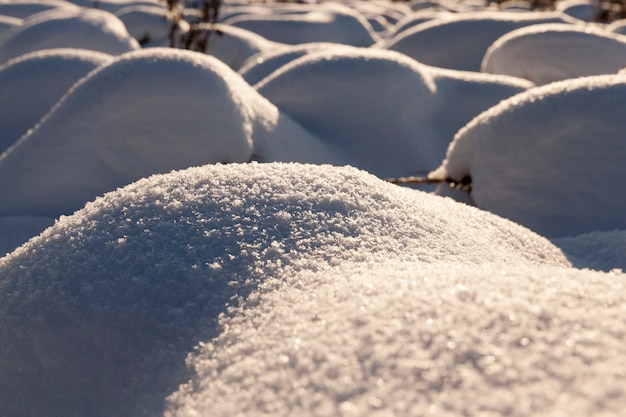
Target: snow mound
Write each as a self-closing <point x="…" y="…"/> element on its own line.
<point x="165" y="109"/>
<point x="23" y="8"/>
<point x="324" y="22"/>
<point x="417" y="18"/>
<point x="7" y="25"/>
<point x="380" y="110"/>
<point x="113" y="6"/>
<point x="554" y="52"/>
<point x="460" y="41"/>
<point x="583" y="10"/>
<point x="34" y="82"/>
<point x="260" y="65"/>
<point x="545" y="160"/>
<point x="618" y="26"/>
<point x="409" y="340"/>
<point x="603" y="251"/>
<point x="150" y="25"/>
<point x="69" y="28"/>
<point x="104" y="306"/>
<point x="234" y="45"/>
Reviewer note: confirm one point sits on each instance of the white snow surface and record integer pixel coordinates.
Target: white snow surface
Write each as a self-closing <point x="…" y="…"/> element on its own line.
<point x="553" y="52"/>
<point x="544" y="160"/>
<point x="165" y="109"/>
<point x="34" y="82"/>
<point x="418" y="340"/>
<point x="412" y="110"/>
<point x="324" y="22"/>
<point x="69" y="28"/>
<point x="269" y="288"/>
<point x="23" y="8"/>
<point x="460" y="41"/>
<point x="104" y="305"/>
<point x="150" y="25"/>
<point x="234" y="45"/>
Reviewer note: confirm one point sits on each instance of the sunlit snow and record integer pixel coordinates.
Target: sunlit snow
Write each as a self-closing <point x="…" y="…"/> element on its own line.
<point x="211" y="234"/>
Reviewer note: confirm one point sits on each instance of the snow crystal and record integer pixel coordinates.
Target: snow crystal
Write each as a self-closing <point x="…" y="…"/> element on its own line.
<point x="104" y="306"/>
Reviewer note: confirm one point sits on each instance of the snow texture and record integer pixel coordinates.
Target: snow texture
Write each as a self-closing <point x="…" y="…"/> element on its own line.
<point x="166" y="109"/>
<point x="412" y="110"/>
<point x="69" y="28"/>
<point x="554" y="52"/>
<point x="418" y="340"/>
<point x="34" y="82"/>
<point x="24" y="8"/>
<point x="104" y="306"/>
<point x="324" y="22"/>
<point x="150" y="25"/>
<point x="234" y="45"/>
<point x="544" y="160"/>
<point x="460" y="42"/>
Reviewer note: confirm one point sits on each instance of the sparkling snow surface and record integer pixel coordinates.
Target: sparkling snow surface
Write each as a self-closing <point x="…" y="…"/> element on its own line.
<point x="191" y="234"/>
<point x="105" y="304"/>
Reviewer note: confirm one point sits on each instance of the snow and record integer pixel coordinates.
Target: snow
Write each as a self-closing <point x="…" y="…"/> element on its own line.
<point x="69" y="28"/>
<point x="146" y="130"/>
<point x="544" y="160"/>
<point x="209" y="234"/>
<point x="325" y="22"/>
<point x="149" y="24"/>
<point x="582" y="10"/>
<point x="234" y="45"/>
<point x="554" y="52"/>
<point x="48" y="74"/>
<point x="125" y="287"/>
<point x="24" y="8"/>
<point x="460" y="41"/>
<point x="409" y="106"/>
<point x="394" y="339"/>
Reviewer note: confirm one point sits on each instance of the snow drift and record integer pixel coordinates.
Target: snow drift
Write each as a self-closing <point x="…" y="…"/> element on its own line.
<point x="545" y="160"/>
<point x="460" y="41"/>
<point x="554" y="52"/>
<point x="165" y="109"/>
<point x="69" y="28"/>
<point x="34" y="82"/>
<point x="100" y="310"/>
<point x="380" y="110"/>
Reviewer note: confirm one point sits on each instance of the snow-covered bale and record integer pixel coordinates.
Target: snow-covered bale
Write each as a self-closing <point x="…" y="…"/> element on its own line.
<point x="325" y="22"/>
<point x="402" y="340"/>
<point x="69" y="28"/>
<point x="34" y="82"/>
<point x="554" y="52"/>
<point x="550" y="158"/>
<point x="380" y="110"/>
<point x="460" y="41"/>
<point x="100" y="310"/>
